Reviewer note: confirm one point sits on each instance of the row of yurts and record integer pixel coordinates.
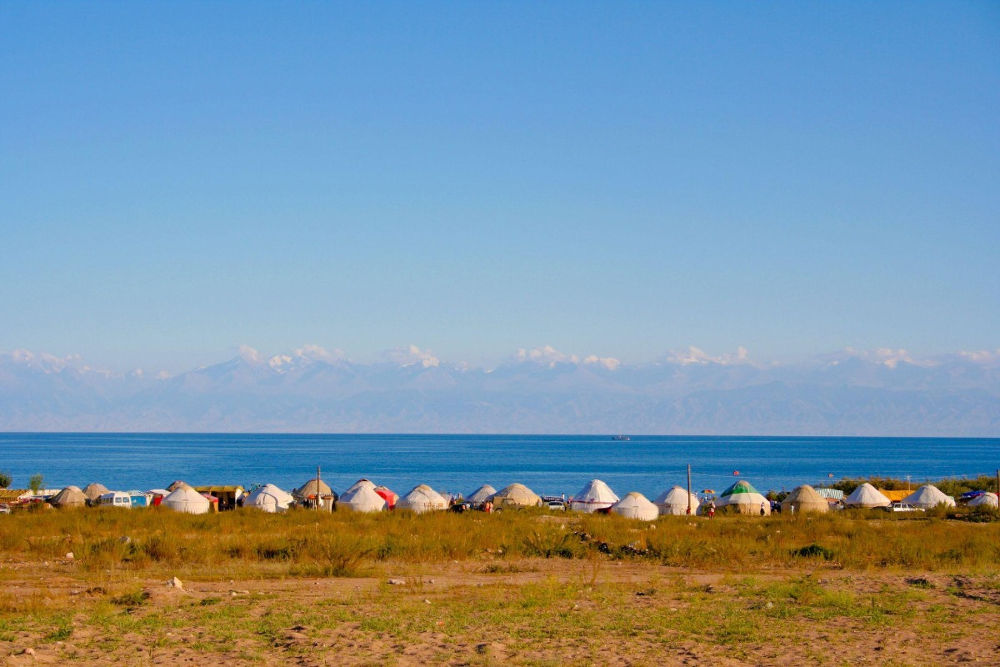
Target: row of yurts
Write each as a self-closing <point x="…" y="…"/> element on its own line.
<point x="596" y="496"/>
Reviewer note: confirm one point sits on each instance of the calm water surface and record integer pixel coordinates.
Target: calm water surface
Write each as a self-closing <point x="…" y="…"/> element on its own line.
<point x="460" y="463"/>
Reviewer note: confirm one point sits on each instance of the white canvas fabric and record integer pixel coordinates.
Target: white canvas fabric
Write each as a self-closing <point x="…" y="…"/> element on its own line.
<point x="363" y="482"/>
<point x="867" y="495"/>
<point x="985" y="500"/>
<point x="422" y="498"/>
<point x="749" y="502"/>
<point x="636" y="506"/>
<point x="185" y="499"/>
<point x="596" y="495"/>
<point x="362" y="499"/>
<point x="675" y="501"/>
<point x="516" y="495"/>
<point x="928" y="496"/>
<point x="481" y="495"/>
<point x="269" y="498"/>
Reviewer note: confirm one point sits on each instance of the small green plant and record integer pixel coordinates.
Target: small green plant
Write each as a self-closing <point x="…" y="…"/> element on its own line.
<point x="35" y="482"/>
<point x="5" y="479"/>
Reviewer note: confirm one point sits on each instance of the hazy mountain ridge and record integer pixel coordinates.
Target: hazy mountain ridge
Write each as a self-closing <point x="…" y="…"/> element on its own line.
<point x="848" y="393"/>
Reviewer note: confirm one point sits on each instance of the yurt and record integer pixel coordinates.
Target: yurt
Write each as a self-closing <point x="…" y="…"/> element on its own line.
<point x="804" y="499"/>
<point x="176" y="484"/>
<point x="595" y="496"/>
<point x="362" y="499"/>
<point x="71" y="496"/>
<point x="928" y="496"/>
<point x="307" y="494"/>
<point x="422" y="499"/>
<point x="94" y="491"/>
<point x="636" y="506"/>
<point x="984" y="500"/>
<point x="675" y="501"/>
<point x="743" y="498"/>
<point x="480" y="495"/>
<point x="515" y="495"/>
<point x="388" y="495"/>
<point x="269" y="498"/>
<point x="185" y="499"/>
<point x="866" y="496"/>
<point x="363" y="482"/>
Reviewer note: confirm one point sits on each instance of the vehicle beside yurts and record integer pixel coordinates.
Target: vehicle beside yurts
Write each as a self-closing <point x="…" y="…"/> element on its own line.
<point x="742" y="497"/>
<point x="675" y="501"/>
<point x="269" y="498"/>
<point x="594" y="497"/>
<point x="422" y="498"/>
<point x="636" y="506"/>
<point x="804" y="499"/>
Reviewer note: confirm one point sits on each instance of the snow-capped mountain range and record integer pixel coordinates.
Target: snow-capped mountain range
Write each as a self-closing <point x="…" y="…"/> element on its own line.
<point x="542" y="390"/>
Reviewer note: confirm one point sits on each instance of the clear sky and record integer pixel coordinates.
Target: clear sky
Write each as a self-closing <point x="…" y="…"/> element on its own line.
<point x="613" y="178"/>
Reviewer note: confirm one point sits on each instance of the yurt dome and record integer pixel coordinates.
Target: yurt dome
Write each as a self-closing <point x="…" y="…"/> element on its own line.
<point x="71" y="496"/>
<point x="928" y="496"/>
<point x="185" y="499"/>
<point x="308" y="490"/>
<point x="804" y="499"/>
<point x="388" y="495"/>
<point x="516" y="495"/>
<point x="595" y="496"/>
<point x="363" y="482"/>
<point x="984" y="500"/>
<point x="745" y="499"/>
<point x="422" y="498"/>
<point x="636" y="506"/>
<point x="362" y="499"/>
<point x="867" y="496"/>
<point x="176" y="484"/>
<point x="269" y="498"/>
<point x="675" y="501"/>
<point x="481" y="495"/>
<point x="94" y="491"/>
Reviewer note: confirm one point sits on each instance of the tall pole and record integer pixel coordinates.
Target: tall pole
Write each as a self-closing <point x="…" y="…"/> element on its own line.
<point x="998" y="482"/>
<point x="689" y="488"/>
<point x="318" y="501"/>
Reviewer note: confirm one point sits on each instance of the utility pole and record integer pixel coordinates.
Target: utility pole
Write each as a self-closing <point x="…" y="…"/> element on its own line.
<point x="318" y="500"/>
<point x="689" y="487"/>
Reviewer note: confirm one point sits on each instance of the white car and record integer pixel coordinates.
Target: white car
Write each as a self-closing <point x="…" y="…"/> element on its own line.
<point x="899" y="506"/>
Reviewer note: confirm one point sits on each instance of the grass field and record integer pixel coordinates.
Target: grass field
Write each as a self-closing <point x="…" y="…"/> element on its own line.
<point x="526" y="587"/>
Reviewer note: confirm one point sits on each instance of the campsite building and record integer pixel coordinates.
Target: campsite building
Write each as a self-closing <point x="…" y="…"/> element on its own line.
<point x="676" y="501"/>
<point x="743" y="498"/>
<point x="593" y="497"/>
<point x="636" y="506"/>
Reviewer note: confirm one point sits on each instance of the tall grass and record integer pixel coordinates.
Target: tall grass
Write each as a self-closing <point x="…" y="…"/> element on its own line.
<point x="303" y="543"/>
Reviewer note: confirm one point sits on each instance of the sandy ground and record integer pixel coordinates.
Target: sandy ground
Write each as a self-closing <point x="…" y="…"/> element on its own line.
<point x="529" y="617"/>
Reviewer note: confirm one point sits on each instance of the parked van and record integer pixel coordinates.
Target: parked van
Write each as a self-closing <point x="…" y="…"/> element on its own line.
<point x="116" y="499"/>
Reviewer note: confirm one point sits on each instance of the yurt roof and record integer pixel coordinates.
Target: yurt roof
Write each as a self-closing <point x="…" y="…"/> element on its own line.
<point x="929" y="495"/>
<point x="363" y="499"/>
<point x="596" y="491"/>
<point x="481" y="494"/>
<point x="866" y="494"/>
<point x="676" y="495"/>
<point x="176" y="484"/>
<point x="308" y="489"/>
<point x="282" y="496"/>
<point x="741" y="486"/>
<point x="71" y="495"/>
<point x="364" y="481"/>
<point x="805" y="498"/>
<point x="518" y="494"/>
<point x="984" y="499"/>
<point x="94" y="490"/>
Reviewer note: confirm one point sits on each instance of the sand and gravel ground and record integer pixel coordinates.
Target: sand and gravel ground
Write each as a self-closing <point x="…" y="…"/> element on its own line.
<point x="529" y="611"/>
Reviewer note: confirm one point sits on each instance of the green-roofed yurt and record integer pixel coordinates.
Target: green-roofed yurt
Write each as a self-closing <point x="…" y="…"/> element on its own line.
<point x="804" y="499"/>
<point x="743" y="498"/>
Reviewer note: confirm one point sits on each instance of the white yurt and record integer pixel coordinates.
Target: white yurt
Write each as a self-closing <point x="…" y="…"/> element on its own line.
<point x="363" y="482"/>
<point x="675" y="501"/>
<point x="804" y="499"/>
<point x="867" y="496"/>
<point x="185" y="499"/>
<point x="928" y="496"/>
<point x="422" y="498"/>
<point x="984" y="500"/>
<point x="481" y="495"/>
<point x="636" y="506"/>
<point x="516" y="495"/>
<point x="362" y="499"/>
<point x="743" y="498"/>
<point x="596" y="495"/>
<point x="269" y="498"/>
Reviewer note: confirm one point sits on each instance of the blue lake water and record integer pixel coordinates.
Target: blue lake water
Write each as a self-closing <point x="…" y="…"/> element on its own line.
<point x="460" y="463"/>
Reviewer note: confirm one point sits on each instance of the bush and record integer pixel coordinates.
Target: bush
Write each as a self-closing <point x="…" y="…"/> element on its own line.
<point x="5" y="479"/>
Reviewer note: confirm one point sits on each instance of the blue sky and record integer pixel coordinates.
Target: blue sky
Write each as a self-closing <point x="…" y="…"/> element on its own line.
<point x="621" y="179"/>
